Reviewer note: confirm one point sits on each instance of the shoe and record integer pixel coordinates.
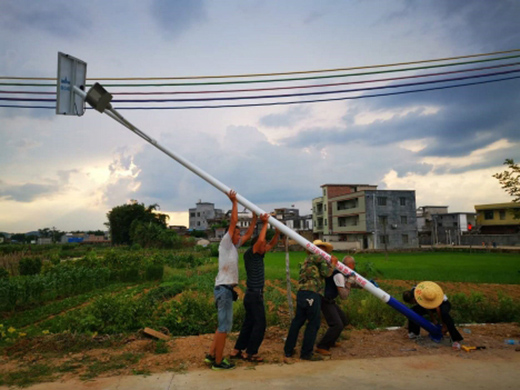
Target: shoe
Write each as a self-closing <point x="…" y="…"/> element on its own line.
<point x="239" y="355"/>
<point x="336" y="345"/>
<point x="290" y="354"/>
<point x="312" y="358"/>
<point x="254" y="358"/>
<point x="323" y="352"/>
<point x="456" y="346"/>
<point x="412" y="336"/>
<point x="209" y="359"/>
<point x="224" y="365"/>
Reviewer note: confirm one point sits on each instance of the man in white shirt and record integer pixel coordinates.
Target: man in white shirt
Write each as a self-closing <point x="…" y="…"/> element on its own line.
<point x="226" y="280"/>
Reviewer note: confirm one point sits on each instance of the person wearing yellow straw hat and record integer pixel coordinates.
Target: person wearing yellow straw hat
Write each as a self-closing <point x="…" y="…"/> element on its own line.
<point x="429" y="298"/>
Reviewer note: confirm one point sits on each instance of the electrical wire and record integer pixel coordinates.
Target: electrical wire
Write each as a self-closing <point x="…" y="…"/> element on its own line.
<point x="282" y="73"/>
<point x="281" y="88"/>
<point x="283" y="95"/>
<point x="293" y="102"/>
<point x="278" y="80"/>
<point x="325" y="87"/>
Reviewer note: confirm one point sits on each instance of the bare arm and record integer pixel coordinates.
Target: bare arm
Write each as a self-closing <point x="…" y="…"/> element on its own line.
<point x="234" y="212"/>
<point x="260" y="246"/>
<point x="273" y="241"/>
<point x="249" y="232"/>
<point x="344" y="292"/>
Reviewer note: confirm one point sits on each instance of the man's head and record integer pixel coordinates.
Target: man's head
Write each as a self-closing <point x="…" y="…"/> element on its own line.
<point x="350" y="262"/>
<point x="408" y="296"/>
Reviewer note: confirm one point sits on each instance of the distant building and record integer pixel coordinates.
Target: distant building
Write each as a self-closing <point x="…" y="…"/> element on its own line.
<point x="498" y="218"/>
<point x="179" y="229"/>
<point x="200" y="215"/>
<point x="359" y="216"/>
<point x="244" y="221"/>
<point x="301" y="224"/>
<point x="86" y="238"/>
<point x="447" y="228"/>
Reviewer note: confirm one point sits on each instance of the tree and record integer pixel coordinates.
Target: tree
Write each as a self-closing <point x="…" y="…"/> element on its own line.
<point x="510" y="181"/>
<point x="18" y="237"/>
<point x="120" y="220"/>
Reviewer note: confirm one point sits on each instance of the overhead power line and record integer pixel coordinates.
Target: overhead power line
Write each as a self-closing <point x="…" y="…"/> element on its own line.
<point x="294" y="83"/>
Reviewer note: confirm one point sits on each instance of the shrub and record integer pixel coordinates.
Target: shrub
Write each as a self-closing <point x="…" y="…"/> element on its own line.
<point x="193" y="314"/>
<point x="213" y="250"/>
<point x="154" y="272"/>
<point x="30" y="266"/>
<point x="4" y="274"/>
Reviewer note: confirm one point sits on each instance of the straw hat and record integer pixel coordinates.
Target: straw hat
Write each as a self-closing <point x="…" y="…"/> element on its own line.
<point x="429" y="295"/>
<point x="327" y="245"/>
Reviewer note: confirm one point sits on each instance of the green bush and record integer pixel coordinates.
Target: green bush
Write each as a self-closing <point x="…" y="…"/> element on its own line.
<point x="193" y="314"/>
<point x="4" y="274"/>
<point x="59" y="281"/>
<point x="480" y="309"/>
<point x="154" y="272"/>
<point x="184" y="260"/>
<point x="213" y="250"/>
<point x="30" y="266"/>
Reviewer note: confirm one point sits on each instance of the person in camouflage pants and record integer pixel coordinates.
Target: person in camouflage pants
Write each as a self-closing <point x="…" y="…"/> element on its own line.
<point x="311" y="282"/>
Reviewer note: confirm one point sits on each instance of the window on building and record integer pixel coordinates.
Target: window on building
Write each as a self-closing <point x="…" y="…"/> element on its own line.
<point x="325" y="222"/>
<point x="192" y="214"/>
<point x="198" y="223"/>
<point x="405" y="238"/>
<point x="383" y="219"/>
<point x="381" y="200"/>
<point x="489" y="214"/>
<point x="502" y="214"/>
<point x="404" y="219"/>
<point x="402" y="201"/>
<point x="325" y="207"/>
<point x="348" y="221"/>
<point x="347" y="204"/>
<point x="324" y="192"/>
<point x="198" y="214"/>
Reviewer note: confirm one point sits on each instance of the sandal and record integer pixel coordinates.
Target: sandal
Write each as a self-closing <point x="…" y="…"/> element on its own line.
<point x="239" y="355"/>
<point x="254" y="358"/>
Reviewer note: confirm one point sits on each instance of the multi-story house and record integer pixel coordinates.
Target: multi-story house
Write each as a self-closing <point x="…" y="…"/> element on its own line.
<point x="200" y="215"/>
<point x="301" y="224"/>
<point x="498" y="218"/>
<point x="359" y="216"/>
<point x="244" y="221"/>
<point x="450" y="227"/>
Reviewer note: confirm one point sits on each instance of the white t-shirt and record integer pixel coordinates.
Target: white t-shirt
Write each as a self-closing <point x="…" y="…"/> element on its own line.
<point x="339" y="280"/>
<point x="227" y="261"/>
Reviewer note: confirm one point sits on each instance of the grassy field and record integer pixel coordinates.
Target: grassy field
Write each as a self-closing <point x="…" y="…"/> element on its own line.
<point x="501" y="268"/>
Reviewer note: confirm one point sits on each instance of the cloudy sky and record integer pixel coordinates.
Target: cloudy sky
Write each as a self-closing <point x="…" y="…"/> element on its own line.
<point x="68" y="172"/>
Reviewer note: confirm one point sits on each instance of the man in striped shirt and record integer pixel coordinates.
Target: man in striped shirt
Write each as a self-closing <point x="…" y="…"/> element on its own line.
<point x="253" y="328"/>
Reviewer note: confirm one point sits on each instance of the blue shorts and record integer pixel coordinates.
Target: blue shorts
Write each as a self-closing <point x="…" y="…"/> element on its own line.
<point x="224" y="302"/>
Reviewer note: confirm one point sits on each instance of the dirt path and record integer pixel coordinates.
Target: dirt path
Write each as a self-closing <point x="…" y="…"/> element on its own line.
<point x="456" y="371"/>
